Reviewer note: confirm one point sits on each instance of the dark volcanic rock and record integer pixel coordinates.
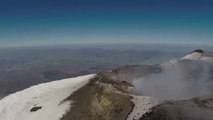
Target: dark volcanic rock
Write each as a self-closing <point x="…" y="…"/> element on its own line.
<point x="131" y="72"/>
<point x="35" y="109"/>
<point x="100" y="99"/>
<point x="194" y="109"/>
<point x="199" y="50"/>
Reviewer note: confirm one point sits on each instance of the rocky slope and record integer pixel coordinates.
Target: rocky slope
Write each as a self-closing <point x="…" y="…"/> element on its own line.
<point x="200" y="108"/>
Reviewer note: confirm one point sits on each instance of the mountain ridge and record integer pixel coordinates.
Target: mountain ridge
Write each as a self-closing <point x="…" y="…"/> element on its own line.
<point x="133" y="92"/>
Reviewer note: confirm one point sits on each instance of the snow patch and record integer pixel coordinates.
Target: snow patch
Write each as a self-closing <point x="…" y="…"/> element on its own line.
<point x="142" y="105"/>
<point x="197" y="56"/>
<point x="193" y="56"/>
<point x="48" y="96"/>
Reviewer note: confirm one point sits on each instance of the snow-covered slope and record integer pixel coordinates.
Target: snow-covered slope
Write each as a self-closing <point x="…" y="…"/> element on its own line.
<point x="80" y="98"/>
<point x="198" y="55"/>
<point x="142" y="105"/>
<point x="41" y="102"/>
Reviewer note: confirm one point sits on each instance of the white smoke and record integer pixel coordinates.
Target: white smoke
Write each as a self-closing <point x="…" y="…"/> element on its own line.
<point x="174" y="83"/>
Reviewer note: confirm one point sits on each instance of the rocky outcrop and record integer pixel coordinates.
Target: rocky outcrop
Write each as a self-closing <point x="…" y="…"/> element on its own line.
<point x="200" y="108"/>
<point x="101" y="99"/>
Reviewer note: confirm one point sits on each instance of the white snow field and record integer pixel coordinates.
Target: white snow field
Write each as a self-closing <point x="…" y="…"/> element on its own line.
<point x="46" y="99"/>
<point x="142" y="105"/>
<point x="197" y="56"/>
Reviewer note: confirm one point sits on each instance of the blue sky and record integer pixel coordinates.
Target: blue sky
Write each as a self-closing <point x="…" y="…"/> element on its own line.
<point x="50" y="22"/>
